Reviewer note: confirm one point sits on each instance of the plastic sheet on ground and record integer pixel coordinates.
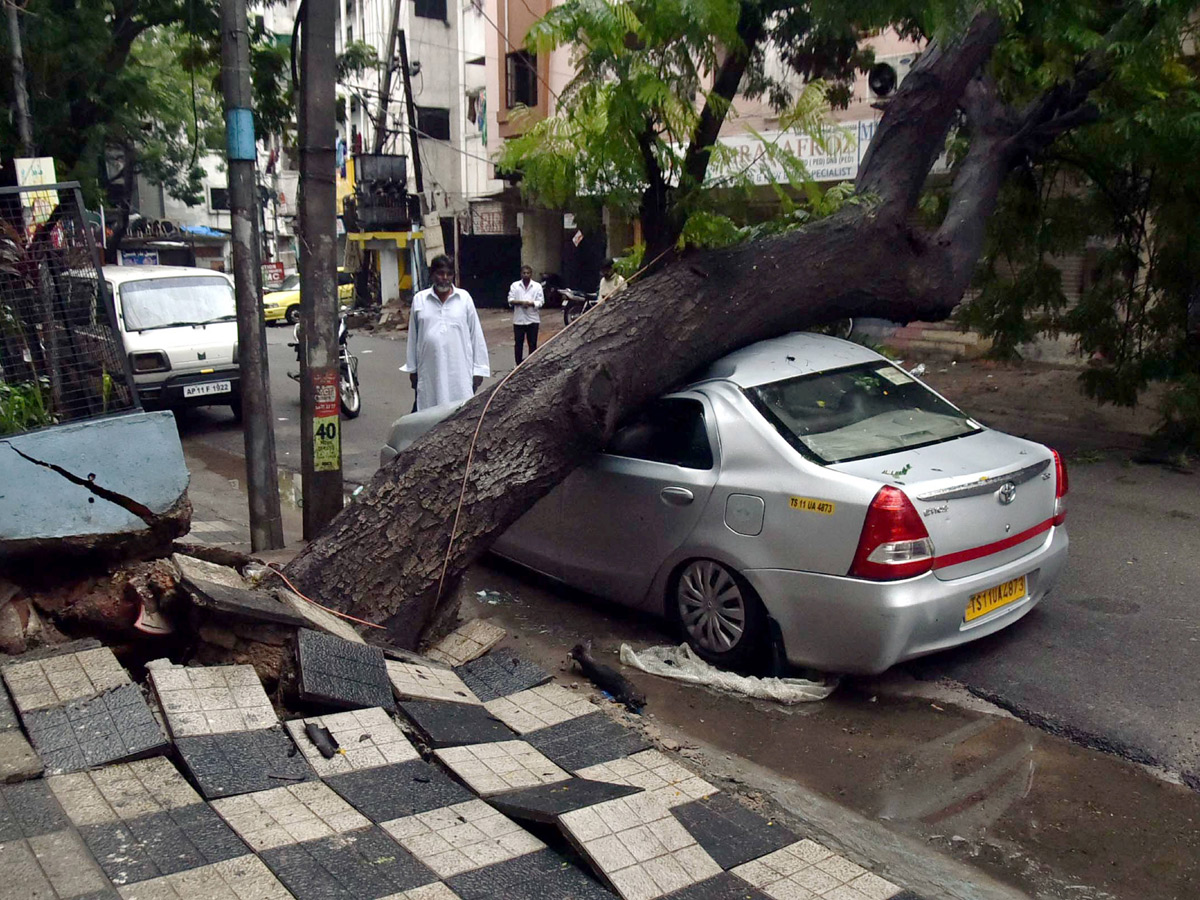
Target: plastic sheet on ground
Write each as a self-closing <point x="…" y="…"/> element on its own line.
<point x="682" y="664"/>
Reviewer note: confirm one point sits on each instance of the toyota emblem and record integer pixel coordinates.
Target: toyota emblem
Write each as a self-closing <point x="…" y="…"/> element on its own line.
<point x="1007" y="493"/>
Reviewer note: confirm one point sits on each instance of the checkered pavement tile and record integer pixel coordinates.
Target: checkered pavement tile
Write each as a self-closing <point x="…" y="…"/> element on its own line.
<point x="405" y="789"/>
<point x="500" y="766"/>
<point x="356" y="865"/>
<point x="53" y="681"/>
<point x="807" y="870"/>
<point x="41" y="855"/>
<point x="638" y="846"/>
<point x="415" y="682"/>
<point x="652" y="771"/>
<point x="122" y="792"/>
<point x="341" y="673"/>
<point x="107" y="728"/>
<point x="459" y="838"/>
<point x="501" y="673"/>
<point x="539" y="707"/>
<point x="289" y="815"/>
<point x="366" y="738"/>
<point x="212" y="699"/>
<point x="469" y="640"/>
<point x="731" y="833"/>
<point x="586" y="741"/>
<point x="541" y="875"/>
<point x="241" y="878"/>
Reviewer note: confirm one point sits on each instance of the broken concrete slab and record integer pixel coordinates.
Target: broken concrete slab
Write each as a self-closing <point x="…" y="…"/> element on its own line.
<point x="318" y="618"/>
<point x="193" y="569"/>
<point x="542" y="875"/>
<point x="111" y="727"/>
<point x="638" y="847"/>
<point x="468" y="641"/>
<point x="545" y="803"/>
<point x="539" y="707"/>
<point x="501" y="673"/>
<point x="60" y="678"/>
<point x="200" y="700"/>
<point x="241" y="603"/>
<point x="412" y="681"/>
<point x="586" y="741"/>
<point x="340" y="673"/>
<point x="364" y="738"/>
<point x="731" y="833"/>
<point x="461" y="838"/>
<point x="500" y="766"/>
<point x="241" y="762"/>
<point x="384" y="793"/>
<point x="451" y="724"/>
<point x="100" y="487"/>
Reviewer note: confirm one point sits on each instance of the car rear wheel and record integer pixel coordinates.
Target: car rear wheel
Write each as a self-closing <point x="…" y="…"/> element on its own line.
<point x="293" y="314"/>
<point x="721" y="616"/>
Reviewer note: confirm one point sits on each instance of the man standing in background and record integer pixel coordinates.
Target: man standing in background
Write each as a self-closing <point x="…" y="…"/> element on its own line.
<point x="447" y="356"/>
<point x="610" y="281"/>
<point x="526" y="298"/>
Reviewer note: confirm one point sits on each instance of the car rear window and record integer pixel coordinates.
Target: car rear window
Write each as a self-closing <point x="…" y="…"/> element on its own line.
<point x="164" y="302"/>
<point x="857" y="412"/>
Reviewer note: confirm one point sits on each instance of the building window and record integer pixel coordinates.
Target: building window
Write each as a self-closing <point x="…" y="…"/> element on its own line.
<point x="434" y="122"/>
<point x="521" y="81"/>
<point x="218" y="199"/>
<point x="430" y="9"/>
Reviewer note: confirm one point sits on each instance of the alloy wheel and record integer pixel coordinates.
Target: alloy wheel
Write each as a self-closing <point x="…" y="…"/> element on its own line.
<point x="712" y="606"/>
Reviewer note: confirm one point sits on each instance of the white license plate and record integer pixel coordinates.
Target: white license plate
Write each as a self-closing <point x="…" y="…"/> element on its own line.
<point x="207" y="389"/>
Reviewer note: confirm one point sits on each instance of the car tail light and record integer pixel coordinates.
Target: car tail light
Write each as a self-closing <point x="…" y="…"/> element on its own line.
<point x="1060" y="489"/>
<point x="155" y="361"/>
<point x="894" y="542"/>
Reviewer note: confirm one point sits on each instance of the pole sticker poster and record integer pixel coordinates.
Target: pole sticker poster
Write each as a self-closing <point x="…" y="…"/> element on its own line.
<point x="327" y="443"/>
<point x="38" y="205"/>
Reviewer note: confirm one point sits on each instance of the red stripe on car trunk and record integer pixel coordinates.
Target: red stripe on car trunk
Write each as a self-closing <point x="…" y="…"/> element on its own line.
<point x="962" y="556"/>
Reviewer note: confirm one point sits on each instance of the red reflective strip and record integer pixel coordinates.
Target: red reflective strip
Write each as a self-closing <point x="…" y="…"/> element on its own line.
<point x="962" y="556"/>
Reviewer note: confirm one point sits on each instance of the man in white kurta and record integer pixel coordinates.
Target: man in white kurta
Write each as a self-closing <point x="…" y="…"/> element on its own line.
<point x="447" y="355"/>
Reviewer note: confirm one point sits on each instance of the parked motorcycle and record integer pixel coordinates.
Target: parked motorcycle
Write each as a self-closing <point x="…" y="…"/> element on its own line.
<point x="348" y="383"/>
<point x="574" y="303"/>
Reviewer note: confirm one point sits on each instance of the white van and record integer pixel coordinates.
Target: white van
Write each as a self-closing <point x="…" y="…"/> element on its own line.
<point x="179" y="327"/>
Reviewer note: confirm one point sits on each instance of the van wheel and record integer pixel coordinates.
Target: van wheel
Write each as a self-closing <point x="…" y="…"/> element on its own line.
<point x="293" y="314"/>
<point x="235" y="405"/>
<point x="721" y="616"/>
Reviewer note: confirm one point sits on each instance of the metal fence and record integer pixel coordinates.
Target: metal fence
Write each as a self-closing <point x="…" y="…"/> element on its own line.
<point x="61" y="355"/>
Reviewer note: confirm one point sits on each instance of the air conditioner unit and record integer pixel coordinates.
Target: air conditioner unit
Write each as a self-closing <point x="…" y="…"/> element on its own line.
<point x="887" y="73"/>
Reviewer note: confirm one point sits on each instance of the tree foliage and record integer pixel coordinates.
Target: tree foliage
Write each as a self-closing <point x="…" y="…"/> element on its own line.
<point x="638" y="123"/>
<point x="1122" y="192"/>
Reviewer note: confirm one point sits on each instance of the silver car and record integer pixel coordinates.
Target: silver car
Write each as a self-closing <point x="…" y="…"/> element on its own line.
<point x="804" y="490"/>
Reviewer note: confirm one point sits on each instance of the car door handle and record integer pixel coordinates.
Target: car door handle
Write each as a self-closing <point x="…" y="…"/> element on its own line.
<point x="677" y="496"/>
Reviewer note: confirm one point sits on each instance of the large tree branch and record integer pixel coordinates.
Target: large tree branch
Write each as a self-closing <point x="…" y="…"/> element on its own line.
<point x="382" y="557"/>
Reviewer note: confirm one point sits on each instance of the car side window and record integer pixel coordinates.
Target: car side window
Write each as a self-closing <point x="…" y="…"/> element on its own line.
<point x="667" y="431"/>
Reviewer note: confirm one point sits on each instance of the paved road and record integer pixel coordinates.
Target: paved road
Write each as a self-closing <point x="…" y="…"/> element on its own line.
<point x="1109" y="659"/>
<point x="385" y="392"/>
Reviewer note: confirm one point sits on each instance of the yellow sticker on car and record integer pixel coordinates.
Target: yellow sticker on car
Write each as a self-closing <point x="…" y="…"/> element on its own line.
<point x="811" y="504"/>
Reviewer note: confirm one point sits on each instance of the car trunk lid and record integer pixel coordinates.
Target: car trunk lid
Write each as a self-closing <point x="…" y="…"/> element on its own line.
<point x="985" y="498"/>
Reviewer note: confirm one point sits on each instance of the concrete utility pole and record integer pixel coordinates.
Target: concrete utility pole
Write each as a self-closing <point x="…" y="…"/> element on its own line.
<point x="262" y="477"/>
<point x="386" y="88"/>
<point x="321" y="439"/>
<point x="20" y="89"/>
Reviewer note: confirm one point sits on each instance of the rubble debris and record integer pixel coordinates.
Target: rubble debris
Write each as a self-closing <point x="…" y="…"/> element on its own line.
<point x="608" y="679"/>
<point x="468" y="641"/>
<point x="241" y="603"/>
<point x="193" y="568"/>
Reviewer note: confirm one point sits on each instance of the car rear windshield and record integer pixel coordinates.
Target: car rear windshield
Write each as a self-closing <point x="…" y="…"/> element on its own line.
<point x="163" y="302"/>
<point x="857" y="412"/>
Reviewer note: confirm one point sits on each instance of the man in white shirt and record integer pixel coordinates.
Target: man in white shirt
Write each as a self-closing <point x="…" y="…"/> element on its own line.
<point x="526" y="298"/>
<point x="447" y="356"/>
<point x="610" y="282"/>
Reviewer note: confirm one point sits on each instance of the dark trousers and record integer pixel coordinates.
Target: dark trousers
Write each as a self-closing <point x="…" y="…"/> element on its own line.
<point x="521" y="333"/>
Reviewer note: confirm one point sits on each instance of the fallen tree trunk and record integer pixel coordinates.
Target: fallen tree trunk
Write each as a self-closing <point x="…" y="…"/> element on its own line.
<point x="382" y="558"/>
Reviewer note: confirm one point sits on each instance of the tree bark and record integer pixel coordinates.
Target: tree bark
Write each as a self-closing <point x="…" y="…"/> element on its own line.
<point x="382" y="558"/>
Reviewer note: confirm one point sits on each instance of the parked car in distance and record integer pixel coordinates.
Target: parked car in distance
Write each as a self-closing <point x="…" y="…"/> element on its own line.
<point x="179" y="328"/>
<point x="804" y="490"/>
<point x="283" y="304"/>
